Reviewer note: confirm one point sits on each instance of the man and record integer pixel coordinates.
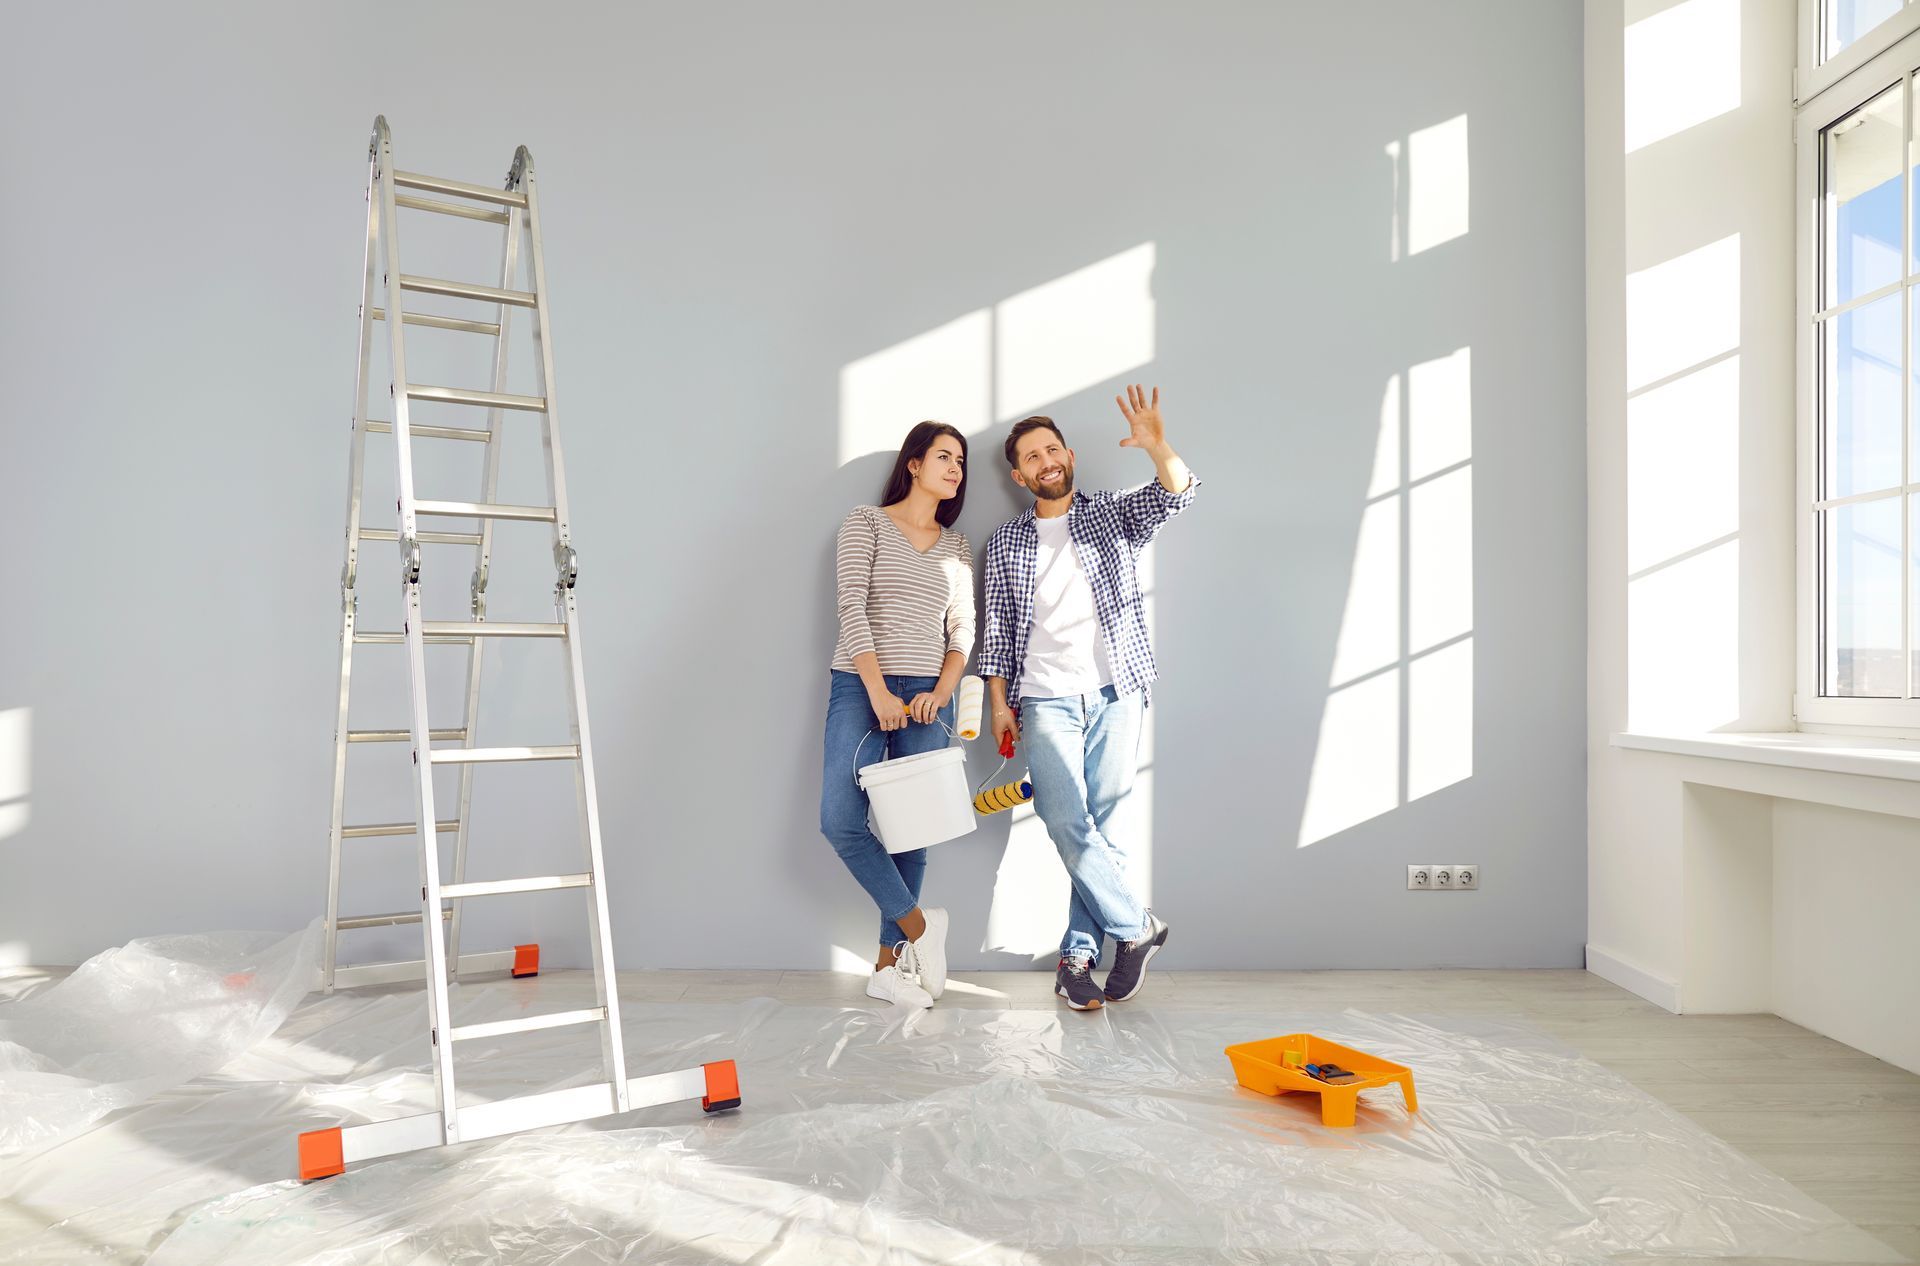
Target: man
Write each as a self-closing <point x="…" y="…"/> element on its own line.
<point x="1065" y="646"/>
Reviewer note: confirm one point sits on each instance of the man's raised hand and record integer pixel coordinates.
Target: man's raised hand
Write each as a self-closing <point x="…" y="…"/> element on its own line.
<point x="1143" y="416"/>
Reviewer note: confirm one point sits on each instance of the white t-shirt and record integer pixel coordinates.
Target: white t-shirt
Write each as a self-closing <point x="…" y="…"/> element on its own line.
<point x="1065" y="653"/>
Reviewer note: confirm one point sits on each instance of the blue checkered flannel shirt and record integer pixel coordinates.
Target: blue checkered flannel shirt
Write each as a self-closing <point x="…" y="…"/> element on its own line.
<point x="1108" y="530"/>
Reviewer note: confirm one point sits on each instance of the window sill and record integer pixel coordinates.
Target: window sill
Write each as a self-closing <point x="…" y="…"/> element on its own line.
<point x="1828" y="753"/>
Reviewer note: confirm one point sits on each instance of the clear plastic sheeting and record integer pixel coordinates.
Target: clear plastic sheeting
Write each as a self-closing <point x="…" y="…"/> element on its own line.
<point x="133" y="1021"/>
<point x="951" y="1135"/>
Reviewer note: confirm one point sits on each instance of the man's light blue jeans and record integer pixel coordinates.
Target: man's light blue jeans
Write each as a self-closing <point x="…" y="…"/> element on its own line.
<point x="1081" y="753"/>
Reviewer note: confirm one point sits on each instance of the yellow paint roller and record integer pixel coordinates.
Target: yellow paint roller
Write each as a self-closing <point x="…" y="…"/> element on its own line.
<point x="1010" y="796"/>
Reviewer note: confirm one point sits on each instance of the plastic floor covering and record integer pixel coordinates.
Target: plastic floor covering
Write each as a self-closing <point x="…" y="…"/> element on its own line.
<point x="149" y="1106"/>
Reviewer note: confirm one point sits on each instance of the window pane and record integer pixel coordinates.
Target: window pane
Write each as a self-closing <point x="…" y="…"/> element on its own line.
<point x="1860" y="425"/>
<point x="1848" y="20"/>
<point x="1913" y="387"/>
<point x="1863" y="197"/>
<point x="1913" y="591"/>
<point x="1861" y="591"/>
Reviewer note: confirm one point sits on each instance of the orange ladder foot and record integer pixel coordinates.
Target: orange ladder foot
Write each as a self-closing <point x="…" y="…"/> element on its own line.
<point x="723" y="1087"/>
<point x="526" y="961"/>
<point x="320" y="1154"/>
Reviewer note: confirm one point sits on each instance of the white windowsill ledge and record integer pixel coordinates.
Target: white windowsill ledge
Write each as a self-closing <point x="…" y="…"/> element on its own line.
<point x="1830" y="753"/>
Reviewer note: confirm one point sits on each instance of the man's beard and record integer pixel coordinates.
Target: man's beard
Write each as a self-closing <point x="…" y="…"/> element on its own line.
<point x="1059" y="488"/>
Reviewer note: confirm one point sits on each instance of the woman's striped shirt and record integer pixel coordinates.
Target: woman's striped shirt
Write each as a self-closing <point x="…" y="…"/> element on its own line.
<point x="907" y="607"/>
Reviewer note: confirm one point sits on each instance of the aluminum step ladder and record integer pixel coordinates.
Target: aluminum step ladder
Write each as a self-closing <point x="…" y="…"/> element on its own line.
<point x="516" y="206"/>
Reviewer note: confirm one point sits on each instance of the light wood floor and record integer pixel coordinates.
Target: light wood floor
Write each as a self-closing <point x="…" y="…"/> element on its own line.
<point x="1851" y="1139"/>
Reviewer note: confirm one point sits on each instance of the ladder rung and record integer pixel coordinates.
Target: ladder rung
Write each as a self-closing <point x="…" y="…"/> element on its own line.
<point x="498" y="887"/>
<point x="391" y="828"/>
<point x="425" y="538"/>
<point x="554" y="1020"/>
<point x="484" y="399"/>
<point x="481" y="510"/>
<point x="402" y="736"/>
<point x="457" y="188"/>
<point x="375" y="427"/>
<point x="352" y="975"/>
<point x="442" y="323"/>
<point x="467" y="290"/>
<point x="449" y="208"/>
<point x="384" y="920"/>
<point x="481" y="755"/>
<point x="387" y="638"/>
<point x="466" y="629"/>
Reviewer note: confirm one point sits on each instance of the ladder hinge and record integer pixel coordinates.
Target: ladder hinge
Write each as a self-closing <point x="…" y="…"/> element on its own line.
<point x="410" y="562"/>
<point x="479" y="590"/>
<point x="567" y="563"/>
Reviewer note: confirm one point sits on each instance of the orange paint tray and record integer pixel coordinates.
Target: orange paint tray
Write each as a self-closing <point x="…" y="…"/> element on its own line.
<point x="1263" y="1066"/>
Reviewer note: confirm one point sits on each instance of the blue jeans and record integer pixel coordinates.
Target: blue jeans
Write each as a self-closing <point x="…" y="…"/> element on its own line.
<point x="1081" y="753"/>
<point x="891" y="879"/>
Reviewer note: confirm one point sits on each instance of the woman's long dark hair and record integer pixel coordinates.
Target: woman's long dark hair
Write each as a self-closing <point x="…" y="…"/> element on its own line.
<point x="900" y="482"/>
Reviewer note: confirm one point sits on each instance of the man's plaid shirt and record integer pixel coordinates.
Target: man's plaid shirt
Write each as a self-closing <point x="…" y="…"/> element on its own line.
<point x="1108" y="530"/>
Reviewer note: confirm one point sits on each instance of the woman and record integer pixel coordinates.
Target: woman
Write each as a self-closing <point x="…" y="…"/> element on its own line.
<point x="905" y="581"/>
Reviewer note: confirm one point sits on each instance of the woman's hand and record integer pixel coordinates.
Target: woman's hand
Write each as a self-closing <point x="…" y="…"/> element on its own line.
<point x="890" y="708"/>
<point x="925" y="708"/>
<point x="1004" y="723"/>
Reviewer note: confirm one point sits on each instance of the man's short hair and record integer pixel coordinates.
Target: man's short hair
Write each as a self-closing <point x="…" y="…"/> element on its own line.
<point x="1024" y="425"/>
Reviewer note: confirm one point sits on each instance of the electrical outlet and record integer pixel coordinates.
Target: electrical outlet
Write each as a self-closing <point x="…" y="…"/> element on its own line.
<point x="1466" y="876"/>
<point x="1419" y="877"/>
<point x="1442" y="876"/>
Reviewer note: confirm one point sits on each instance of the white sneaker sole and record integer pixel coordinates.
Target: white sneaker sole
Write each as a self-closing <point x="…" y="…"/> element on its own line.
<point x="1095" y="1005"/>
<point x="908" y="994"/>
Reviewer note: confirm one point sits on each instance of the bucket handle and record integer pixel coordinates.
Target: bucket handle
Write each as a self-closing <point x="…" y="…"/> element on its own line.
<point x="875" y="730"/>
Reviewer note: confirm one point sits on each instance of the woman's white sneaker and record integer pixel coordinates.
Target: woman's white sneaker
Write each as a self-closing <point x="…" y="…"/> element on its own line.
<point x="888" y="985"/>
<point x="931" y="951"/>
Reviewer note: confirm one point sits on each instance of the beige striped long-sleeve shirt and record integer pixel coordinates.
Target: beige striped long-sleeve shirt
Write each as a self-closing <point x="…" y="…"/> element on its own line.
<point x="907" y="607"/>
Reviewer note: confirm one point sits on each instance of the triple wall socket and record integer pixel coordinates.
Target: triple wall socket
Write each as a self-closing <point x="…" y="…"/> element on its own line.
<point x="1458" y="875"/>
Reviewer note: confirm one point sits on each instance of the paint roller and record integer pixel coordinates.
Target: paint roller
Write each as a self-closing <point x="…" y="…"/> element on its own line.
<point x="1007" y="796"/>
<point x="973" y="693"/>
<point x="972" y="697"/>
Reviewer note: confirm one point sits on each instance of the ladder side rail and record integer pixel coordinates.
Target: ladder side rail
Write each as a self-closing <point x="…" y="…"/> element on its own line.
<point x="349" y="573"/>
<point x="607" y="993"/>
<point x="599" y="919"/>
<point x="430" y="903"/>
<point x="543" y="367"/>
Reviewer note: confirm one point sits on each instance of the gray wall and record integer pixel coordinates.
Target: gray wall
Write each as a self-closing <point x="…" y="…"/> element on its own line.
<point x="740" y="201"/>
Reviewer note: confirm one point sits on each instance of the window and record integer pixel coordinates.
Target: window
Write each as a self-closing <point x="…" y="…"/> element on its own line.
<point x="1844" y="21"/>
<point x="1860" y="352"/>
<point x="1837" y="37"/>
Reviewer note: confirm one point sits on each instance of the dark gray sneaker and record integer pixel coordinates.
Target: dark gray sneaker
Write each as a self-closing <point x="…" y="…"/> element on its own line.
<point x="1074" y="982"/>
<point x="1130" y="959"/>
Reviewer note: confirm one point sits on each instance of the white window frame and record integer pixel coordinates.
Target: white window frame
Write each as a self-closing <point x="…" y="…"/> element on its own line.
<point x="1895" y="61"/>
<point x="1814" y="75"/>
